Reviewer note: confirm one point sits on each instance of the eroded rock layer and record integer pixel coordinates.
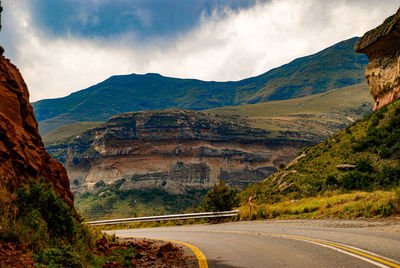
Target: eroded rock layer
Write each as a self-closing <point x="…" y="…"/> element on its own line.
<point x="173" y="150"/>
<point x="382" y="46"/>
<point x="22" y="153"/>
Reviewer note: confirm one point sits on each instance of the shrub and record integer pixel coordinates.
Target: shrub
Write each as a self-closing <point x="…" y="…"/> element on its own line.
<point x="357" y="180"/>
<point x="46" y="224"/>
<point x="364" y="164"/>
<point x="220" y="198"/>
<point x="331" y="181"/>
<point x="389" y="177"/>
<point x="382" y="139"/>
<point x="40" y="197"/>
<point x="261" y="212"/>
<point x="63" y="256"/>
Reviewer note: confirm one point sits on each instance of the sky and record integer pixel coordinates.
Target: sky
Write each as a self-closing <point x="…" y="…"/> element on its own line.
<point x="62" y="46"/>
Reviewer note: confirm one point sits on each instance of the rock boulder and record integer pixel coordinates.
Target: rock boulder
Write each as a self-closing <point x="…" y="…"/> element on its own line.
<point x="382" y="46"/>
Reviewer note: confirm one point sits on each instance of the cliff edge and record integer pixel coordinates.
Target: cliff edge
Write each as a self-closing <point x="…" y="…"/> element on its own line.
<point x="22" y="153"/>
<point x="382" y="46"/>
<point x="171" y="150"/>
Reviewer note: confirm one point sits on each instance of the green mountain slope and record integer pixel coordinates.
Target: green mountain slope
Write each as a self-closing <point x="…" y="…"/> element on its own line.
<point x="312" y="118"/>
<point x="364" y="156"/>
<point x="334" y="67"/>
<point x="347" y="101"/>
<point x="68" y="131"/>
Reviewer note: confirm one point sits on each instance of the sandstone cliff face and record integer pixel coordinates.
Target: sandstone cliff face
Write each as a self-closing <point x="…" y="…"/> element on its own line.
<point x="382" y="46"/>
<point x="173" y="150"/>
<point x="22" y="153"/>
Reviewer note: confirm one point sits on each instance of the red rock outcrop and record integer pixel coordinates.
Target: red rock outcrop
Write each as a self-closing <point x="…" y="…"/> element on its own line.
<point x="22" y="153"/>
<point x="382" y="46"/>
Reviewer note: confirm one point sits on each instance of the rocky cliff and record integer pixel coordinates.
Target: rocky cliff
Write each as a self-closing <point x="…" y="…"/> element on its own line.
<point x="172" y="150"/>
<point x="22" y="153"/>
<point x="382" y="46"/>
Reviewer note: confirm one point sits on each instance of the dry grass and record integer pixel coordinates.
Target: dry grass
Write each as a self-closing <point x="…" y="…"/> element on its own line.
<point x="332" y="205"/>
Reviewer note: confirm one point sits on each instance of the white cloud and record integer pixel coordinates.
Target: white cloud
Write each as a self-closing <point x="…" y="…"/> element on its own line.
<point x="237" y="45"/>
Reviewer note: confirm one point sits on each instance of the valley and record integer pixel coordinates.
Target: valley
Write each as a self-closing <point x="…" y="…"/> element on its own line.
<point x="303" y="145"/>
<point x="185" y="150"/>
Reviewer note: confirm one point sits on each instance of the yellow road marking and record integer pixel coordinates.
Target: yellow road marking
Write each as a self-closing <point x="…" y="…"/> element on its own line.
<point x="201" y="258"/>
<point x="349" y="249"/>
<point x="312" y="240"/>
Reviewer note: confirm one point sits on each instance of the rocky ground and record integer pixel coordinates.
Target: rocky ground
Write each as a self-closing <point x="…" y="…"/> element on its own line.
<point x="15" y="256"/>
<point x="147" y="253"/>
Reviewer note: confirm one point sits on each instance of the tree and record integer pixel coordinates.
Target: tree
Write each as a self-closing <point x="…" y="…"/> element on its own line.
<point x="220" y="198"/>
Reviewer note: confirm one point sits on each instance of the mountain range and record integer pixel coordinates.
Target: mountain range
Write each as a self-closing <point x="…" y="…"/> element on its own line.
<point x="335" y="67"/>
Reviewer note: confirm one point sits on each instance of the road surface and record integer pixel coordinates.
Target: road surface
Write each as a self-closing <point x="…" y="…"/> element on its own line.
<point x="318" y="243"/>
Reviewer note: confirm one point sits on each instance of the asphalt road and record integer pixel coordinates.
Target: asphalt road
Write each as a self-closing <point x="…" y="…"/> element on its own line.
<point x="319" y="243"/>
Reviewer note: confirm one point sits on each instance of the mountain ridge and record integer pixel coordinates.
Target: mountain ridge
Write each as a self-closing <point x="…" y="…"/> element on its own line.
<point x="304" y="76"/>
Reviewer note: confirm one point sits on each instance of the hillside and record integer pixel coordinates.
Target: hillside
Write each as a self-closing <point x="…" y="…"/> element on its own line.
<point x="312" y="118"/>
<point x="335" y="67"/>
<point x="364" y="156"/>
<point x="356" y="172"/>
<point x="67" y="131"/>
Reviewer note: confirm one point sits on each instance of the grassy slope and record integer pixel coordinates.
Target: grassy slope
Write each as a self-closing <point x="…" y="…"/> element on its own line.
<point x="347" y="99"/>
<point x="68" y="131"/>
<point x="313" y="117"/>
<point x="372" y="145"/>
<point x="334" y="67"/>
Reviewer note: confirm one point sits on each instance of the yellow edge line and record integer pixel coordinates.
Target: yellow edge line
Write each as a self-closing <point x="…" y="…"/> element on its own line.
<point x="318" y="241"/>
<point x="351" y="250"/>
<point x="202" y="260"/>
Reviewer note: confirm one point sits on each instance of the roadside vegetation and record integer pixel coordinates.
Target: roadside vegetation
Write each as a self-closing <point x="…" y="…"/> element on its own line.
<point x="220" y="198"/>
<point x="36" y="220"/>
<point x="359" y="166"/>
<point x="376" y="204"/>
<point x="108" y="202"/>
<point x="38" y="229"/>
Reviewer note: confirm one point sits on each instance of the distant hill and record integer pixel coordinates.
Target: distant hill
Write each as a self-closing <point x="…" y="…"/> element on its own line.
<point x="335" y="67"/>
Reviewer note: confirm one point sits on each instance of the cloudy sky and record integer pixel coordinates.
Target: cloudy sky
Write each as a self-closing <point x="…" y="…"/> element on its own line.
<point x="62" y="46"/>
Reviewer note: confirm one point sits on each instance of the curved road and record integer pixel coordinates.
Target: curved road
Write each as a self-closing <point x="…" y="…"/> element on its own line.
<point x="318" y="243"/>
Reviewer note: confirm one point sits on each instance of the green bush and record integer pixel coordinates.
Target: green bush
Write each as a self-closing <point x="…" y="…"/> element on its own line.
<point x="366" y="178"/>
<point x="364" y="164"/>
<point x="383" y="139"/>
<point x="39" y="197"/>
<point x="331" y="182"/>
<point x="64" y="256"/>
<point x="357" y="180"/>
<point x="46" y="224"/>
<point x="220" y="198"/>
<point x="389" y="177"/>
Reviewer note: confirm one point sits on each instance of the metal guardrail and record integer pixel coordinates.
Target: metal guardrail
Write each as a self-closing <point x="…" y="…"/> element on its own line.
<point x="167" y="217"/>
